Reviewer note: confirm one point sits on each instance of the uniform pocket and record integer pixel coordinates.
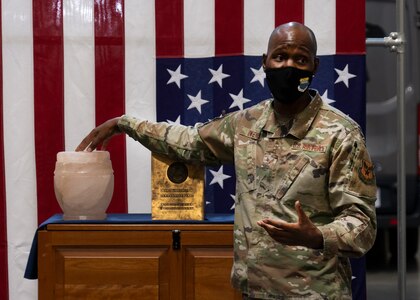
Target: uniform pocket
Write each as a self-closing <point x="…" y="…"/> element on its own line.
<point x="290" y="176"/>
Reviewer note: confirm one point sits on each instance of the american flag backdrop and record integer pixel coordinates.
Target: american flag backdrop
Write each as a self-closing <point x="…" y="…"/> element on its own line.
<point x="68" y="65"/>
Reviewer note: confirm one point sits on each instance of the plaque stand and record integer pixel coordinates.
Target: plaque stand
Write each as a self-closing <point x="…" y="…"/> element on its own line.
<point x="177" y="190"/>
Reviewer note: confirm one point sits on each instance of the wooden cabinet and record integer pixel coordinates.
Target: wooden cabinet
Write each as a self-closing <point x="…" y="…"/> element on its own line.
<point x="141" y="261"/>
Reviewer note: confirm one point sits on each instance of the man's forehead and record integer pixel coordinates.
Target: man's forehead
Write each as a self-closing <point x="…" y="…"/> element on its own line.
<point x="292" y="37"/>
<point x="291" y="44"/>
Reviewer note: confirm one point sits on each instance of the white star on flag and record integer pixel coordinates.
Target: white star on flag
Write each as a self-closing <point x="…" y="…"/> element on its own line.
<point x="259" y="75"/>
<point x="233" y="197"/>
<point x="239" y="100"/>
<point x="324" y="97"/>
<point x="344" y="75"/>
<point x="218" y="75"/>
<point x="196" y="102"/>
<point x="218" y="177"/>
<point x="176" y="76"/>
<point x="176" y="122"/>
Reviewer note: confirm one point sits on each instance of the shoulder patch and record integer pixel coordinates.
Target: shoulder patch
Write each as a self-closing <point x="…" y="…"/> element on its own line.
<point x="362" y="180"/>
<point x="366" y="173"/>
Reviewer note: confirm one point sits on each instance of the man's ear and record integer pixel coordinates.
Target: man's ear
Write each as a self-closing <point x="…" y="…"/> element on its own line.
<point x="316" y="64"/>
<point x="264" y="59"/>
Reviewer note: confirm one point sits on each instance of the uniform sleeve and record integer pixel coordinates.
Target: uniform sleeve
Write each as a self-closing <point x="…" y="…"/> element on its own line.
<point x="219" y="136"/>
<point x="178" y="142"/>
<point x="352" y="192"/>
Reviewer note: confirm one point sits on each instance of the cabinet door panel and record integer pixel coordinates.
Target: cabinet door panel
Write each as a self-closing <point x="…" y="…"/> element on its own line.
<point x="111" y="273"/>
<point x="207" y="273"/>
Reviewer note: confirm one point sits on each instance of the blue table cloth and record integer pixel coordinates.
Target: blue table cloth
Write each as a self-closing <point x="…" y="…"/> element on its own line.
<point x="31" y="271"/>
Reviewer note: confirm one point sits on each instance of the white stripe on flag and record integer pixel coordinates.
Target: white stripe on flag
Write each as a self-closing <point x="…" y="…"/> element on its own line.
<point x="79" y="70"/>
<point x="323" y="27"/>
<point x="199" y="26"/>
<point x="140" y="95"/>
<point x="259" y="23"/>
<point x="19" y="149"/>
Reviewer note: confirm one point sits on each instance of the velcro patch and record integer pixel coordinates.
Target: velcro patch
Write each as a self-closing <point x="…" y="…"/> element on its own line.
<point x="365" y="171"/>
<point x="309" y="147"/>
<point x="252" y="134"/>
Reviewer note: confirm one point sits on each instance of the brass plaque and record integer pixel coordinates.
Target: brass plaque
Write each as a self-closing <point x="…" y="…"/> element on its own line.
<point x="177" y="190"/>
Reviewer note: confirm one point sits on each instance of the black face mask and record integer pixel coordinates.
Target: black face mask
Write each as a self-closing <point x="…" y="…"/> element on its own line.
<point x="289" y="83"/>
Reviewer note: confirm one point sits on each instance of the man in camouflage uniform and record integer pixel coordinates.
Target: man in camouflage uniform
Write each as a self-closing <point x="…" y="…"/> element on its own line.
<point x="305" y="188"/>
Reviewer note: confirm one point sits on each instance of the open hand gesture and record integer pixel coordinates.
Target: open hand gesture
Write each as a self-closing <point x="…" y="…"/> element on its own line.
<point x="302" y="233"/>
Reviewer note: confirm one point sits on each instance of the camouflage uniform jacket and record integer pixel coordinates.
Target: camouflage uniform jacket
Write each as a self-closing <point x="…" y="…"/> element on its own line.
<point x="318" y="158"/>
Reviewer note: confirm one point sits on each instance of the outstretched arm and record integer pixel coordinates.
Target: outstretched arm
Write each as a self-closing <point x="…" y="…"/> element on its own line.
<point x="175" y="141"/>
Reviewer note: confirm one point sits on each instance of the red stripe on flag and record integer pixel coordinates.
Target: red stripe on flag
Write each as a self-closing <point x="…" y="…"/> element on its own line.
<point x="109" y="88"/>
<point x="169" y="28"/>
<point x="350" y="27"/>
<point x="4" y="283"/>
<point x="229" y="27"/>
<point x="289" y="11"/>
<point x="48" y="99"/>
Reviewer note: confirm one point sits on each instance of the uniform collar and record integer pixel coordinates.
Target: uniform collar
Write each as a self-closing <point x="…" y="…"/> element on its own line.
<point x="299" y="126"/>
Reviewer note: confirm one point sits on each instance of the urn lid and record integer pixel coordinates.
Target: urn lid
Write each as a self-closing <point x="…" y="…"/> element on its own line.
<point x="82" y="156"/>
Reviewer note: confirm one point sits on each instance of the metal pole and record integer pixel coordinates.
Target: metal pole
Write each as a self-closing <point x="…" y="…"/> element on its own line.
<point x="396" y="42"/>
<point x="402" y="260"/>
<point x="392" y="41"/>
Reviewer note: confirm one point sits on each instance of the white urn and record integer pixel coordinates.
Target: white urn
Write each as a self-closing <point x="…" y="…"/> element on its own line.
<point x="83" y="184"/>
